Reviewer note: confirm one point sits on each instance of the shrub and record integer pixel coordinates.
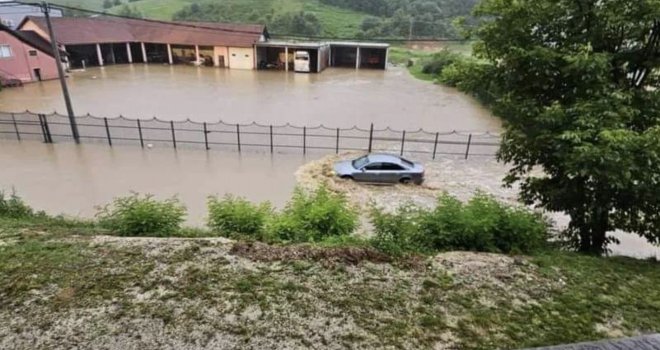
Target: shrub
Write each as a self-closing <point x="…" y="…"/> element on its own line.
<point x="313" y="216"/>
<point x="472" y="77"/>
<point x="232" y="216"/>
<point x="397" y="233"/>
<point x="438" y="61"/>
<point x="12" y="206"/>
<point x="137" y="215"/>
<point x="483" y="224"/>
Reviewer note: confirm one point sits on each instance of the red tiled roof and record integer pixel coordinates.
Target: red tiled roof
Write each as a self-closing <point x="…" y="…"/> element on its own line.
<point x="75" y="30"/>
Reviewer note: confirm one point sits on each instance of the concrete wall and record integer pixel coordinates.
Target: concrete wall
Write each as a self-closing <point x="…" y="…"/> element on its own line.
<point x="21" y="65"/>
<point x="241" y="58"/>
<point x="220" y="51"/>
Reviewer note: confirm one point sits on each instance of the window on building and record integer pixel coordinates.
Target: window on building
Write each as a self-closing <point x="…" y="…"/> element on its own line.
<point x="32" y="52"/>
<point x="5" y="51"/>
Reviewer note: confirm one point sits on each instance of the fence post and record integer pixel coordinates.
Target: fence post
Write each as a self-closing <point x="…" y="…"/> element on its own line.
<point x="107" y="131"/>
<point x="206" y="137"/>
<point x="337" y="145"/>
<point x="304" y="140"/>
<point x="238" y="137"/>
<point x="140" y="132"/>
<point x="18" y="134"/>
<point x="49" y="137"/>
<point x="43" y="128"/>
<point x="173" y="134"/>
<point x="467" y="150"/>
<point x="435" y="144"/>
<point x="403" y="141"/>
<point x="371" y="136"/>
<point x="271" y="139"/>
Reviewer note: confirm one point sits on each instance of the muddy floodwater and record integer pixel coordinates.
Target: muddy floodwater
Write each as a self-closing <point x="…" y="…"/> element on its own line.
<point x="72" y="180"/>
<point x="335" y="98"/>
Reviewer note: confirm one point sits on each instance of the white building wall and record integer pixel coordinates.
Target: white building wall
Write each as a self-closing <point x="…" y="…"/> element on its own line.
<point x="241" y="58"/>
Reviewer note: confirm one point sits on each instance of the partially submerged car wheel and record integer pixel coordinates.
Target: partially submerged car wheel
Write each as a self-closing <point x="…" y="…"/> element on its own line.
<point x="405" y="181"/>
<point x="346" y="177"/>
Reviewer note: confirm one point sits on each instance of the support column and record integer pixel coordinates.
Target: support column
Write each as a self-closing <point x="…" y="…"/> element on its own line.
<point x="318" y="60"/>
<point x="357" y="59"/>
<point x="144" y="52"/>
<point x="169" y="54"/>
<point x="129" y="53"/>
<point x="99" y="54"/>
<point x="387" y="56"/>
<point x="286" y="58"/>
<point x="197" y="53"/>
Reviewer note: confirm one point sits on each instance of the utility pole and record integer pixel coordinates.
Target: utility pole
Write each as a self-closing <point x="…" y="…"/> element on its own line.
<point x="45" y="7"/>
<point x="410" y="30"/>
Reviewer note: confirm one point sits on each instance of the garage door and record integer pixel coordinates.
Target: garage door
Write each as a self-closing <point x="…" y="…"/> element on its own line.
<point x="241" y="58"/>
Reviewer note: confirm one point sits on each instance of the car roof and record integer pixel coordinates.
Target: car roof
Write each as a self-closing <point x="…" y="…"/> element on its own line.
<point x="386" y="158"/>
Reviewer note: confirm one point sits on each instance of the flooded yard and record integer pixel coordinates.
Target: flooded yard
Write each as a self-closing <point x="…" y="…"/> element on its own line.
<point x="335" y="98"/>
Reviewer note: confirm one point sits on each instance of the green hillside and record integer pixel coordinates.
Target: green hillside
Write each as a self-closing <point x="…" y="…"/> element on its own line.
<point x="333" y="21"/>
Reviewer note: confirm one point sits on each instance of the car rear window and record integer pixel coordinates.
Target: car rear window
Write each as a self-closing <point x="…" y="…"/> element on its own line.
<point x="407" y="162"/>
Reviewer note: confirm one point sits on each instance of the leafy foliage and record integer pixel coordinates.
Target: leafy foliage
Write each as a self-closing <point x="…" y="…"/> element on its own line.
<point x="483" y="224"/>
<point x="137" y="215"/>
<point x="577" y="85"/>
<point x="12" y="206"/>
<point x="311" y="216"/>
<point x="233" y="216"/>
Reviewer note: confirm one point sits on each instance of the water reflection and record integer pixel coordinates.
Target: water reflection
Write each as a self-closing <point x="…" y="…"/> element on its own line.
<point x="69" y="179"/>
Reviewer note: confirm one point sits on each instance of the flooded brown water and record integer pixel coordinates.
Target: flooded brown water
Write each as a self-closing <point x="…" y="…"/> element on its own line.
<point x="68" y="179"/>
<point x="335" y="98"/>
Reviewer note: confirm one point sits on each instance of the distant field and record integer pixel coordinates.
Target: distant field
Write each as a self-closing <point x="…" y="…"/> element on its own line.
<point x="334" y="21"/>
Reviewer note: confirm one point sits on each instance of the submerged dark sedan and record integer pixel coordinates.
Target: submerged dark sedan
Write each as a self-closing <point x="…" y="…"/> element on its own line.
<point x="381" y="168"/>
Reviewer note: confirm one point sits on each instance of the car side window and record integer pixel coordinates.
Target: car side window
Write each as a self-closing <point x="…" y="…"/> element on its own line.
<point x="391" y="166"/>
<point x="374" y="166"/>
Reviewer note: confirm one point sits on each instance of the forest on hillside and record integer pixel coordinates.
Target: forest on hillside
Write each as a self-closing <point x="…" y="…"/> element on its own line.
<point x="378" y="18"/>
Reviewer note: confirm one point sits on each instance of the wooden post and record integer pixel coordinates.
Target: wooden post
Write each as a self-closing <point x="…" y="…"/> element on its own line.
<point x="140" y="132"/>
<point x="337" y="145"/>
<point x="238" y="137"/>
<point x="467" y="150"/>
<point x="304" y="140"/>
<point x="18" y="134"/>
<point x="435" y="144"/>
<point x="107" y="131"/>
<point x="403" y="141"/>
<point x="173" y="134"/>
<point x="271" y="139"/>
<point x="206" y="137"/>
<point x="371" y="136"/>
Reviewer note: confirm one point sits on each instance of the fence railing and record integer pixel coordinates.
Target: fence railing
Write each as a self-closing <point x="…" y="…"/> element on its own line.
<point x="154" y="132"/>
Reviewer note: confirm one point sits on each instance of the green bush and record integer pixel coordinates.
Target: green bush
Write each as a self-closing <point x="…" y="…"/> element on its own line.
<point x="472" y="77"/>
<point x="232" y="216"/>
<point x="437" y="62"/>
<point x="313" y="216"/>
<point x="483" y="224"/>
<point x="12" y="206"/>
<point x="397" y="233"/>
<point x="137" y="215"/>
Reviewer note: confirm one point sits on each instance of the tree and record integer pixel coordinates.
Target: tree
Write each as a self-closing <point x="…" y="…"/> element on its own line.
<point x="129" y="11"/>
<point x="577" y="86"/>
<point x="107" y="4"/>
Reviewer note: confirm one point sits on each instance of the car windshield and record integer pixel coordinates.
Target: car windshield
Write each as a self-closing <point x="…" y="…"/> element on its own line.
<point x="360" y="162"/>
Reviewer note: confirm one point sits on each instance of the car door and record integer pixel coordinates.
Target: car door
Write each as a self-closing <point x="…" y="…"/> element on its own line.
<point x="391" y="172"/>
<point x="372" y="172"/>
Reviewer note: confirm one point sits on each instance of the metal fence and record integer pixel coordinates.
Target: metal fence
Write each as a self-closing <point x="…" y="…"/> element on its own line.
<point x="220" y="135"/>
